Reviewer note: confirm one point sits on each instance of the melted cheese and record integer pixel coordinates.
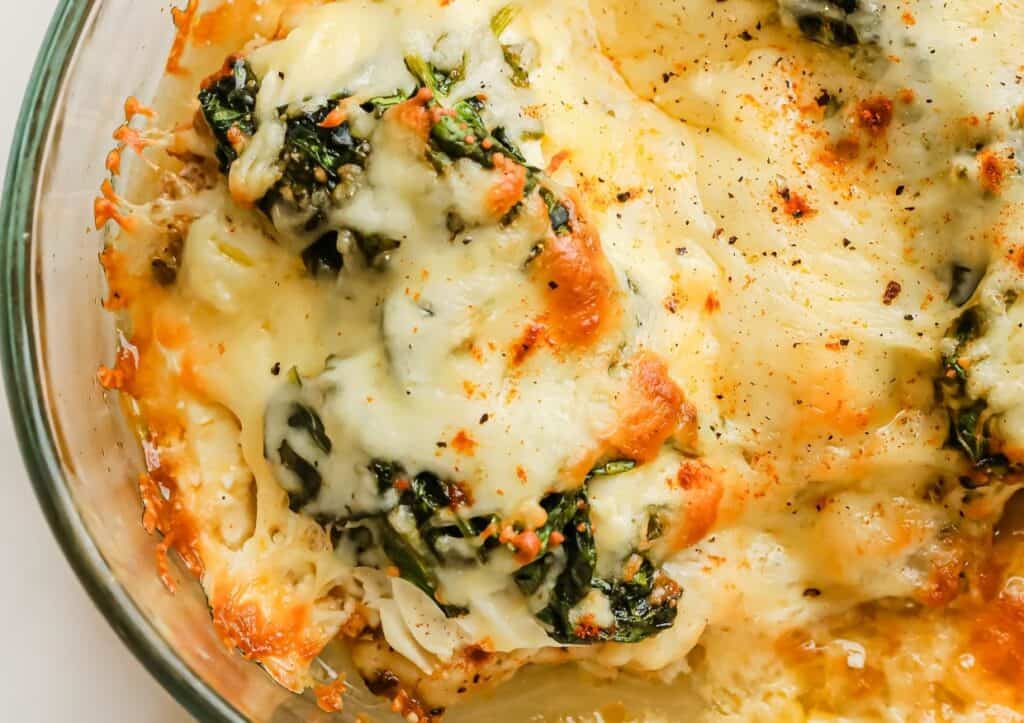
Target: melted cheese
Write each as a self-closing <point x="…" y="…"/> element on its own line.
<point x="753" y="306"/>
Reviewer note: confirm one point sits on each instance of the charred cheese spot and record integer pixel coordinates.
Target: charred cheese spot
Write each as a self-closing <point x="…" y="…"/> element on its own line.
<point x="650" y="411"/>
<point x="581" y="296"/>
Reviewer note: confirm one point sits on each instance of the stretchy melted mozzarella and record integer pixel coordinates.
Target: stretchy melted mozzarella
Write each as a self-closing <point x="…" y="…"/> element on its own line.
<point x="673" y="338"/>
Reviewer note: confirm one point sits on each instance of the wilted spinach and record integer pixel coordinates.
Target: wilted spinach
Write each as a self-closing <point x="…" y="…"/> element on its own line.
<point x="303" y="420"/>
<point x="640" y="610"/>
<point x="439" y="81"/>
<point x="839" y="23"/>
<point x="969" y="417"/>
<point x="229" y="103"/>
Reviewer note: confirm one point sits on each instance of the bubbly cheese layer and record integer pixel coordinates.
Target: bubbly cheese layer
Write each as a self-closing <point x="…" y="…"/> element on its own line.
<point x="675" y="338"/>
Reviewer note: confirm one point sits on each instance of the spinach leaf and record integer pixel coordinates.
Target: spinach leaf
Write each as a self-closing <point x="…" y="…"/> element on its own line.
<point x="639" y="607"/>
<point x="374" y="247"/>
<point x="462" y="133"/>
<point x="513" y="55"/>
<point x="557" y="211"/>
<point x="386" y="473"/>
<point x="510" y="149"/>
<point x="322" y="257"/>
<point x="228" y="106"/>
<point x="425" y="496"/>
<point x="574" y="582"/>
<point x="314" y="155"/>
<point x="310" y="479"/>
<point x="304" y="418"/>
<point x="430" y="76"/>
<point x="502" y="19"/>
<point x="639" y="613"/>
<point x="969" y="431"/>
<point x="615" y="467"/>
<point x="839" y="23"/>
<point x="529" y="578"/>
<point x="964" y="283"/>
<point x="408" y="553"/>
<point x="380" y="104"/>
<point x="969" y="417"/>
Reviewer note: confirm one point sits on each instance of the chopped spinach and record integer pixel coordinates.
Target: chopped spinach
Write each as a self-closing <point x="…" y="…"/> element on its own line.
<point x="310" y="479"/>
<point x="639" y="613"/>
<point x="305" y="419"/>
<point x="430" y="76"/>
<point x="513" y="55"/>
<point x="502" y="19"/>
<point x="839" y="23"/>
<point x="970" y="421"/>
<point x="386" y="474"/>
<point x="462" y="133"/>
<point x="500" y="135"/>
<point x="963" y="284"/>
<point x="655" y="527"/>
<point x="322" y="257"/>
<point x="415" y="563"/>
<point x="228" y="106"/>
<point x="557" y="211"/>
<point x="381" y="103"/>
<point x="374" y="247"/>
<point x="610" y="469"/>
<point x="314" y="156"/>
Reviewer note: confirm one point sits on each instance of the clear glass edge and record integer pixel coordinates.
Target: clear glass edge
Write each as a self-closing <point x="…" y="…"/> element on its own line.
<point x="19" y="354"/>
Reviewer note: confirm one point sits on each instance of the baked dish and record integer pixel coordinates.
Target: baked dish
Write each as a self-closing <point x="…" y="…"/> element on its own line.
<point x="673" y="343"/>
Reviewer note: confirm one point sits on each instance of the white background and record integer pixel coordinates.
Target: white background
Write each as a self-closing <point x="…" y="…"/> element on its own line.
<point x="61" y="661"/>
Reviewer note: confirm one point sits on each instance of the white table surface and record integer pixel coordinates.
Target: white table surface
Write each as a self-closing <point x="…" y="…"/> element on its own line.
<point x="62" y="661"/>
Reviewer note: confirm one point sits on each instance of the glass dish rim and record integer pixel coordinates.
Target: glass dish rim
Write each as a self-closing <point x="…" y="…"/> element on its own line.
<point x="23" y="381"/>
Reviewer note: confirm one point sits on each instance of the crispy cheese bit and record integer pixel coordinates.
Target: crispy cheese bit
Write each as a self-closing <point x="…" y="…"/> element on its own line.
<point x="132" y="108"/>
<point x="992" y="171"/>
<point x="651" y="410"/>
<point x="997" y="640"/>
<point x="874" y="115"/>
<point x="587" y="628"/>
<point x="794" y="205"/>
<point x="410" y="708"/>
<point x="944" y="583"/>
<point x="581" y="293"/>
<point x="110" y="379"/>
<point x="132" y="138"/>
<point x="703" y="496"/>
<point x="280" y="640"/>
<point x="123" y="373"/>
<point x="107" y="208"/>
<point x="892" y="290"/>
<point x="115" y="269"/>
<point x="557" y="160"/>
<point x="335" y="118"/>
<point x="329" y="697"/>
<point x="530" y="341"/>
<point x="507" y="191"/>
<point x="113" y="162"/>
<point x="163" y="513"/>
<point x="413" y="113"/>
<point x="183" y="19"/>
<point x="463" y="443"/>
